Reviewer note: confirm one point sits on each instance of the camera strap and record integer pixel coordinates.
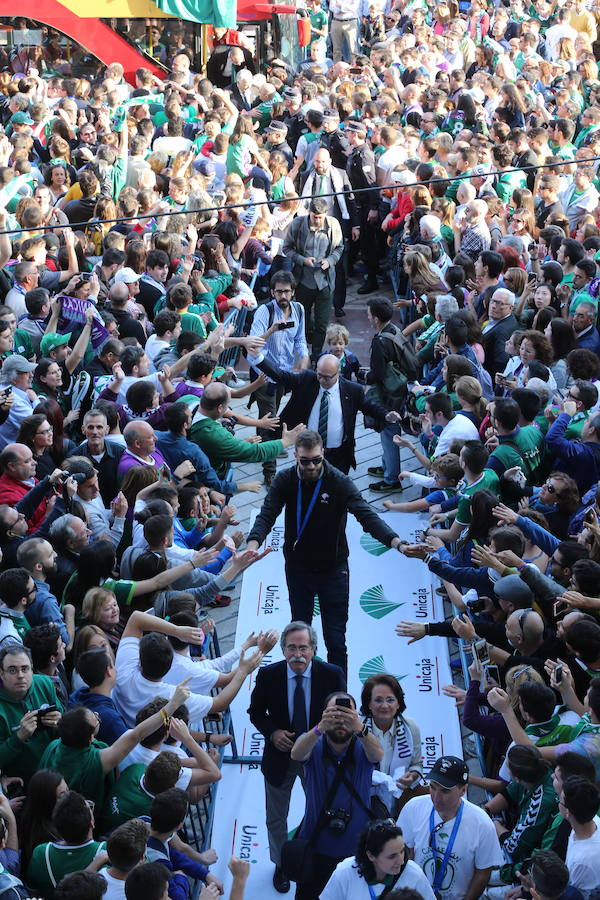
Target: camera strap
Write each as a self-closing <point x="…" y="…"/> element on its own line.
<point x="340" y="766"/>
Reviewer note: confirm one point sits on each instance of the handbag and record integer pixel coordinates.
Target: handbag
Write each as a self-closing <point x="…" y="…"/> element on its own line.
<point x="298" y="854"/>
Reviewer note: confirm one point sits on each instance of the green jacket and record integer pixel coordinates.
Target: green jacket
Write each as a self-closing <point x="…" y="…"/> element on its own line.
<point x="17" y="757"/>
<point x="223" y="448"/>
<point x="81" y="767"/>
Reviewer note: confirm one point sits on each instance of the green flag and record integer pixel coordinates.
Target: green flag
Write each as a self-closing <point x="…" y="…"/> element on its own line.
<point x="221" y="13"/>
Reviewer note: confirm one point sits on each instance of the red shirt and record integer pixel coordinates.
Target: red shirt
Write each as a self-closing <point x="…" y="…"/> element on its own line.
<point x="12" y="491"/>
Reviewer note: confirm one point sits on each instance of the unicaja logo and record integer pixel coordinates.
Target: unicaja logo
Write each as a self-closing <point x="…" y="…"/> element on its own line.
<point x="376" y="666"/>
<point x="372" y="545"/>
<point x="375" y="603"/>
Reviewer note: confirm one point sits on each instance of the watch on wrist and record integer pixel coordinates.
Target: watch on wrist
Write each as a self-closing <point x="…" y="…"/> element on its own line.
<point x="364" y="731"/>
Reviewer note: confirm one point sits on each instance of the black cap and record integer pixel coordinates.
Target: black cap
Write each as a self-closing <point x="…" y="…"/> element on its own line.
<point x="449" y="771"/>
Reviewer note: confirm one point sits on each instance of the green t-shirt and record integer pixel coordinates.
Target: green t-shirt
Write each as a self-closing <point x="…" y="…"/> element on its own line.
<point x="525" y="448"/>
<point x="122" y="589"/>
<point x="575" y="426"/>
<point x="50" y="863"/>
<point x="81" y="767"/>
<point x="509" y="182"/>
<point x="536" y="808"/>
<point x="127" y="800"/>
<point x="318" y="20"/>
<point x="582" y="296"/>
<point x="488" y="480"/>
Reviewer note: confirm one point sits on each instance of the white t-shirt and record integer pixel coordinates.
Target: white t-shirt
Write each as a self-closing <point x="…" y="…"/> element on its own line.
<point x="116" y="888"/>
<point x="145" y="755"/>
<point x="458" y="428"/>
<point x="583" y="861"/>
<point x="476" y="845"/>
<point x="347" y="884"/>
<point x="204" y="676"/>
<point x="392" y="157"/>
<point x="132" y="690"/>
<point x="131" y="379"/>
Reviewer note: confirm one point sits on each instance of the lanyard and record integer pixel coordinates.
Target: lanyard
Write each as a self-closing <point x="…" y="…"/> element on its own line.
<point x="440" y="873"/>
<point x="300" y="526"/>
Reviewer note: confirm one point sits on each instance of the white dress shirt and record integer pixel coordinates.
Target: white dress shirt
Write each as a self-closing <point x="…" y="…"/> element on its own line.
<point x="335" y="420"/>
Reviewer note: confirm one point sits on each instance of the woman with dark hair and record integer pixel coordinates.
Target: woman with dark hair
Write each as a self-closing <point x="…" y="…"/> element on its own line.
<point x="583" y="364"/>
<point x="383" y="705"/>
<point x="35" y="821"/>
<point x="47" y="381"/>
<point x="135" y="256"/>
<point x="61" y="444"/>
<point x="562" y="339"/>
<point x="35" y="432"/>
<point x="381" y="864"/>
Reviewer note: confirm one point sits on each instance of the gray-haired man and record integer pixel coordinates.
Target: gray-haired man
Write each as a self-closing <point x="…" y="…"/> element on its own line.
<point x="287" y="700"/>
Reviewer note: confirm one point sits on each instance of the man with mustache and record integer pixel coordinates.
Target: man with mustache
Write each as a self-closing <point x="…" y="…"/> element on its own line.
<point x="288" y="700"/>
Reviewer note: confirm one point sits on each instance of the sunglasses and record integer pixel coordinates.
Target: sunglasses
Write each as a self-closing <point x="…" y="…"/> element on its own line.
<point x="310" y="461"/>
<point x="550" y="487"/>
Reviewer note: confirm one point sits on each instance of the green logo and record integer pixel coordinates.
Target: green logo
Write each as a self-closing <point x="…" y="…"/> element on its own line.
<point x="372" y="545"/>
<point x="375" y="603"/>
<point x="376" y="666"/>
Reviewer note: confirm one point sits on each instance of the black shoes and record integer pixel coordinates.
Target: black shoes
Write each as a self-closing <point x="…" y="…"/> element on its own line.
<point x="339" y="313"/>
<point x="385" y="487"/>
<point x="280" y="881"/>
<point x="377" y="471"/>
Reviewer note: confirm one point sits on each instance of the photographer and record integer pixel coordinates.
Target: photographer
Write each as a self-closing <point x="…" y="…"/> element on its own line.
<point x="340" y="754"/>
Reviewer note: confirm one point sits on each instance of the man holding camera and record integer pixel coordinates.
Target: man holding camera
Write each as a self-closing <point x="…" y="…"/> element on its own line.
<point x="23" y="734"/>
<point x="281" y="323"/>
<point x="339" y="755"/>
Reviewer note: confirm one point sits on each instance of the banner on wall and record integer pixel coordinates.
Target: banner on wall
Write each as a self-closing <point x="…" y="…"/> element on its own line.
<point x="385" y="587"/>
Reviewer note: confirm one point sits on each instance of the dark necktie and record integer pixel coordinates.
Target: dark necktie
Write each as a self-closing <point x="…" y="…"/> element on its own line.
<point x="299" y="723"/>
<point x="324" y="416"/>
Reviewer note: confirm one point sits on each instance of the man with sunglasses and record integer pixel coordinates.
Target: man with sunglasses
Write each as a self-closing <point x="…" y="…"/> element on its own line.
<point x="317" y="498"/>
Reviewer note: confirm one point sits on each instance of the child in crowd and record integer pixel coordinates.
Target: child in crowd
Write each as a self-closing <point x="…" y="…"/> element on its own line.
<point x="446" y="472"/>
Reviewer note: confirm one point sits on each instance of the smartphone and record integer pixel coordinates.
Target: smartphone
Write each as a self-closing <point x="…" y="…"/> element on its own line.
<point x="493" y="673"/>
<point x="558" y="673"/>
<point x="531" y="277"/>
<point x="281" y="326"/>
<point x="8" y="390"/>
<point x="44" y="709"/>
<point x="560" y="608"/>
<point x="344" y="701"/>
<point x="480" y="650"/>
<point x="85" y="276"/>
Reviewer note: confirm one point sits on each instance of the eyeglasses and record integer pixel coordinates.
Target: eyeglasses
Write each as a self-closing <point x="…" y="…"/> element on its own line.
<point x="523" y="618"/>
<point x="306" y="461"/>
<point x="379" y="701"/>
<point x="281" y="292"/>
<point x="325" y="377"/>
<point x="45" y="430"/>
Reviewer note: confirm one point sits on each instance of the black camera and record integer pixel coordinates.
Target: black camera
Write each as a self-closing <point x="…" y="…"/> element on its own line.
<point x="337" y="820"/>
<point x="475" y="606"/>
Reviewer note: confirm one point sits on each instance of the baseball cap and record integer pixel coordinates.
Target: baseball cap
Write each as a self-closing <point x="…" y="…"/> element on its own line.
<point x="53" y="340"/>
<point x="449" y="771"/>
<point x="281" y="127"/>
<point x="15" y="365"/>
<point x="126" y="275"/>
<point x="356" y="126"/>
<point x="331" y="115"/>
<point x="21" y="118"/>
<point x="206" y="167"/>
<point x="291" y="93"/>
<point x="402" y="177"/>
<point x="512" y="589"/>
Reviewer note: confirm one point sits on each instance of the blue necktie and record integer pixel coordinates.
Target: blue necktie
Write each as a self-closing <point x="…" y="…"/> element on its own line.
<point x="299" y="723"/>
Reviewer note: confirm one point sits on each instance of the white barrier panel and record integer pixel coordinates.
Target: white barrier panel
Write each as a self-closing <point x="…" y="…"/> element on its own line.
<point x="384" y="588"/>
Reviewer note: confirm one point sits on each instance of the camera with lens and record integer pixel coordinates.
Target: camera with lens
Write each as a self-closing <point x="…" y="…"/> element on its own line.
<point x="475" y="606"/>
<point x="337" y="820"/>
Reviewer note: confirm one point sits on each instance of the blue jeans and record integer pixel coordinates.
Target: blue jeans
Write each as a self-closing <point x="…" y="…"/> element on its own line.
<point x="390" y="459"/>
<point x="331" y="588"/>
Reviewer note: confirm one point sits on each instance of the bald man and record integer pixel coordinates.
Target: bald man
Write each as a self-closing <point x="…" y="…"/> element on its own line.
<point x="328" y="403"/>
<point x="141" y="448"/>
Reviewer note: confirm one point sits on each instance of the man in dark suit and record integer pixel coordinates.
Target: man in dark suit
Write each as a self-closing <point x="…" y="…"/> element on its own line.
<point x="288" y="700"/>
<point x="502" y="323"/>
<point x="313" y="392"/>
<point x="241" y="91"/>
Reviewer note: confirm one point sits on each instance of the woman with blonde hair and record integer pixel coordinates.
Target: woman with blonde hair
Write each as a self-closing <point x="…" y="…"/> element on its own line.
<point x="469" y="394"/>
<point x="100" y="608"/>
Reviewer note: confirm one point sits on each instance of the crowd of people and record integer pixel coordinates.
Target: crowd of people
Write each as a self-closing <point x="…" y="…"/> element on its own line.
<point x="171" y="245"/>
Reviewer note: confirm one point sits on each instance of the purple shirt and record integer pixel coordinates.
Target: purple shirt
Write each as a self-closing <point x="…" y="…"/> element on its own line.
<point x="128" y="461"/>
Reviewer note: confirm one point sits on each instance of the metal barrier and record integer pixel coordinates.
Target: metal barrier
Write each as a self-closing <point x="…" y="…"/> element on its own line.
<point x="230" y="355"/>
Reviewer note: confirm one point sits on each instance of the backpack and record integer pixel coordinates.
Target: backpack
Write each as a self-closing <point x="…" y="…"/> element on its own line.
<point x="296" y="307"/>
<point x="401" y="367"/>
<point x="485" y="380"/>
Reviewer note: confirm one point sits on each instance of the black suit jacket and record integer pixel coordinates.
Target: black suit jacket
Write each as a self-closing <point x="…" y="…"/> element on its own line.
<point x="305" y="389"/>
<point x="269" y="708"/>
<point x="238" y="101"/>
<point x="496" y="356"/>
